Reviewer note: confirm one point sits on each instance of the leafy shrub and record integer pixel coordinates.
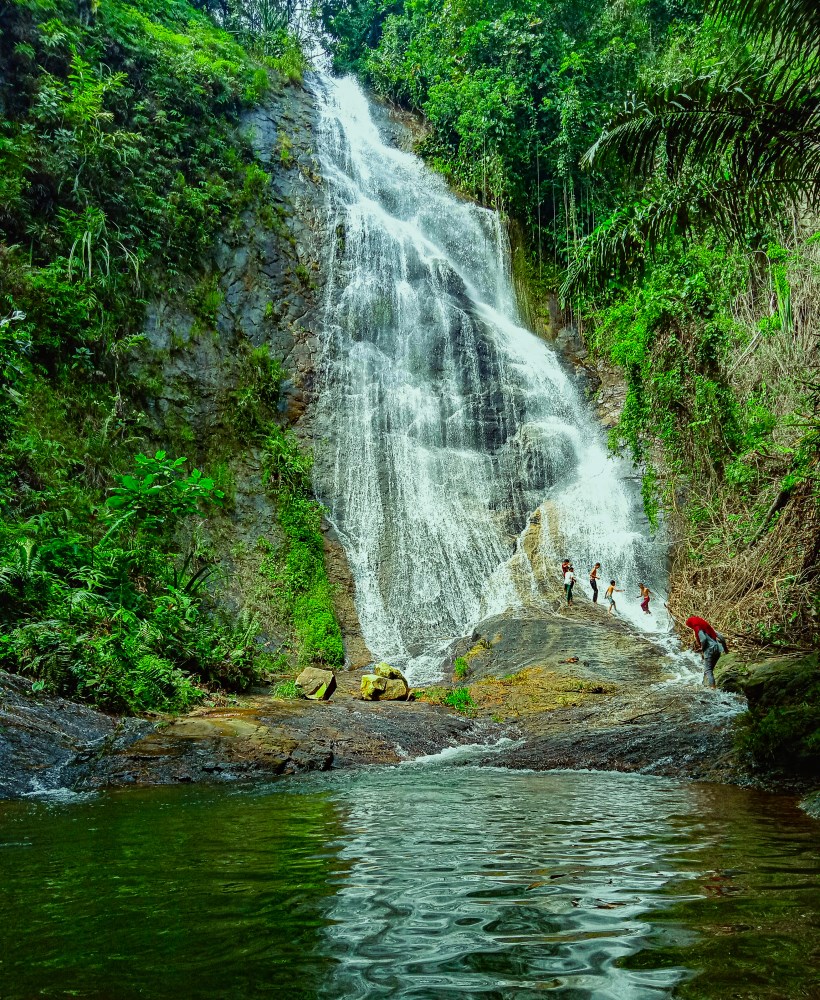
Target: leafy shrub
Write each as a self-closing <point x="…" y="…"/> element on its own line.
<point x="154" y="684"/>
<point x="287" y="57"/>
<point x="116" y="617"/>
<point x="461" y="700"/>
<point x="160" y="494"/>
<point x="286" y="690"/>
<point x="287" y="471"/>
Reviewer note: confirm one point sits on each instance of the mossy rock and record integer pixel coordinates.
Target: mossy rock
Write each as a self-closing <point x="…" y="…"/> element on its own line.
<point x="775" y="680"/>
<point x="372" y="686"/>
<point x="375" y="687"/>
<point x="732" y="672"/>
<point x="391" y="673"/>
<point x="782" y="728"/>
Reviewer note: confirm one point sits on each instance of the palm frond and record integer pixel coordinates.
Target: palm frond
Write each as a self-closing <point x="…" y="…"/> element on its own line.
<point x="790" y="28"/>
<point x="748" y="125"/>
<point x="620" y="247"/>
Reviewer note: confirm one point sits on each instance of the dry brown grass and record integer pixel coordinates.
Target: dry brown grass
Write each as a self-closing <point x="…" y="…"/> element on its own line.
<point x="757" y="594"/>
<point x="749" y="562"/>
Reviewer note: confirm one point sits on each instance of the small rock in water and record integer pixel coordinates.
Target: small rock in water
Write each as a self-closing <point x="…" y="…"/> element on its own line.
<point x="316" y="684"/>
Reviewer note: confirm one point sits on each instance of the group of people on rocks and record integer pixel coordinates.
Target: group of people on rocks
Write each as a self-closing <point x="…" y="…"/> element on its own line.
<point x="707" y="641"/>
<point x="568" y="575"/>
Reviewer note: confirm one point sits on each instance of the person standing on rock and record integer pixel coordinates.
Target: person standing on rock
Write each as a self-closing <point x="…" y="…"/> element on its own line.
<point x="569" y="583"/>
<point x="611" y="591"/>
<point x="709" y="643"/>
<point x="646" y="593"/>
<point x="564" y="568"/>
<point x="593" y="582"/>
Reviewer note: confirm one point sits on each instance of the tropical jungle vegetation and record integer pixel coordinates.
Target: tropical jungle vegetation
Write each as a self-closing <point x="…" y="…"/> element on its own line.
<point x="120" y="159"/>
<point x="658" y="161"/>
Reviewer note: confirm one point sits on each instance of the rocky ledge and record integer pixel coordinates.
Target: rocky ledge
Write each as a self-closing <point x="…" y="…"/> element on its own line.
<point x="571" y="688"/>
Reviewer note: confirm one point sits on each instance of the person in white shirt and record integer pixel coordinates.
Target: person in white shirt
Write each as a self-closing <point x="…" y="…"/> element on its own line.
<point x="569" y="583"/>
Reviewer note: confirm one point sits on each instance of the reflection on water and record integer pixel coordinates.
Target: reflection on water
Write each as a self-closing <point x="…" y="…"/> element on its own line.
<point x="423" y="882"/>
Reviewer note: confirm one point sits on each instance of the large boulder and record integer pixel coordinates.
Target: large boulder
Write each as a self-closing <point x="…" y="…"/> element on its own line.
<point x="782" y="729"/>
<point x="316" y="684"/>
<point x="376" y="687"/>
<point x="771" y="680"/>
<point x="732" y="672"/>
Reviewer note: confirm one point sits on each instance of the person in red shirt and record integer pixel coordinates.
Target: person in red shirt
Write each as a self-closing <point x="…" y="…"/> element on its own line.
<point x="709" y="643"/>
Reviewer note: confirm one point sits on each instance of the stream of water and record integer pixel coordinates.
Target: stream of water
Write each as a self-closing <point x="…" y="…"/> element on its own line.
<point x="442" y="422"/>
<point x="426" y="881"/>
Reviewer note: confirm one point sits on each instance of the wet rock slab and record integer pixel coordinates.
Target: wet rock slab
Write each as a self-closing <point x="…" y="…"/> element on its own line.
<point x="48" y="743"/>
<point x="667" y="730"/>
<point x="584" y="690"/>
<point x="576" y="688"/>
<point x="269" y="738"/>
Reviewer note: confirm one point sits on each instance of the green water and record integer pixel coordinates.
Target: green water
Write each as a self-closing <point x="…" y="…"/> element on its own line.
<point x="420" y="881"/>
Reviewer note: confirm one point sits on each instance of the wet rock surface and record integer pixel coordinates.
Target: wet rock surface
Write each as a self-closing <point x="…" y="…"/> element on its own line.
<point x="582" y="690"/>
<point x="204" y="389"/>
<point x="48" y="743"/>
<point x="662" y="730"/>
<point x="265" y="737"/>
<point x="573" y="690"/>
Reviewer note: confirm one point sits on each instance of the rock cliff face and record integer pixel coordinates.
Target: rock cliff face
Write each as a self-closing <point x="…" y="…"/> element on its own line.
<point x="239" y="347"/>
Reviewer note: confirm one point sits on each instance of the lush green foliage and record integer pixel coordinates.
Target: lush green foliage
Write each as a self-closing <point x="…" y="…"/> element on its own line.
<point x="728" y="142"/>
<point x="458" y="698"/>
<point x="460" y="668"/>
<point x="286" y="690"/>
<point x="302" y="560"/>
<point x="120" y="159"/>
<point x="265" y="27"/>
<point x="109" y="611"/>
<point x="461" y="700"/>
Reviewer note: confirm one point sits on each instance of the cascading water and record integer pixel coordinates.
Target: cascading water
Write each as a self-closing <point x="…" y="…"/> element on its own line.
<point x="442" y="422"/>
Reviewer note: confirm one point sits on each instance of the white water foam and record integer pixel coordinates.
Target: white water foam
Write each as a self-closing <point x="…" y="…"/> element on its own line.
<point x="462" y="753"/>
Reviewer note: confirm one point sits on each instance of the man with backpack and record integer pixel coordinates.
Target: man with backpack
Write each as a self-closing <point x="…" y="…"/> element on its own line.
<point x="710" y="644"/>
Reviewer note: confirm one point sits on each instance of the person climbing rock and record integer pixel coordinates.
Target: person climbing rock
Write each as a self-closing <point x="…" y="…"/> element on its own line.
<point x="569" y="582"/>
<point x="611" y="591"/>
<point x="709" y="643"/>
<point x="593" y="582"/>
<point x="646" y="593"/>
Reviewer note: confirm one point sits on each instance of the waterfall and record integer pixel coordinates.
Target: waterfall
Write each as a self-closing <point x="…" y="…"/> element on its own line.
<point x="443" y="424"/>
